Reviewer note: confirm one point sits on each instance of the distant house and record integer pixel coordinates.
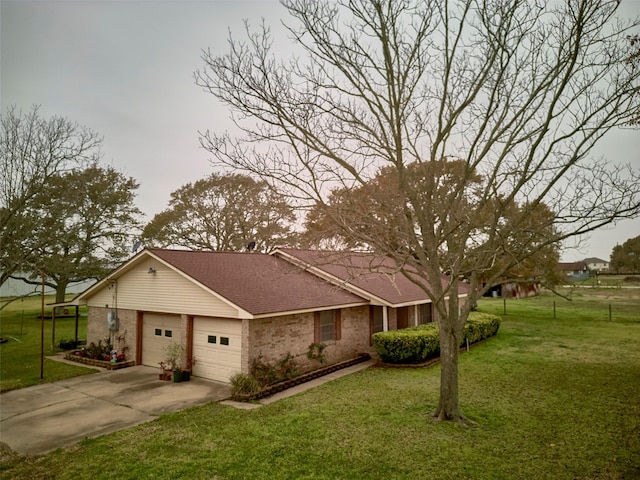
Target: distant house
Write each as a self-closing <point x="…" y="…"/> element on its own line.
<point x="576" y="270"/>
<point x="596" y="264"/>
<point x="228" y="308"/>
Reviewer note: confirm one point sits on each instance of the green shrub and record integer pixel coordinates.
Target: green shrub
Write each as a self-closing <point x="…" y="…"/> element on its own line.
<point x="267" y="373"/>
<point x="68" y="344"/>
<point x="242" y="384"/>
<point x="409" y="345"/>
<point x="263" y="372"/>
<point x="480" y="326"/>
<point x="418" y="344"/>
<point x="101" y="351"/>
<point x="287" y="368"/>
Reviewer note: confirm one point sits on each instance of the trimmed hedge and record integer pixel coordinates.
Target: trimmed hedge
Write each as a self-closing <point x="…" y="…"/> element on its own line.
<point x="418" y="344"/>
<point x="480" y="326"/>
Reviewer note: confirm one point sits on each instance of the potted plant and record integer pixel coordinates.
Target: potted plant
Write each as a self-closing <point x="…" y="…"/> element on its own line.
<point x="166" y="372"/>
<point x="174" y="354"/>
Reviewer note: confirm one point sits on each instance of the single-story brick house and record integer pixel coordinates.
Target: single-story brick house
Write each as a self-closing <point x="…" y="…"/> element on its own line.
<point x="227" y="308"/>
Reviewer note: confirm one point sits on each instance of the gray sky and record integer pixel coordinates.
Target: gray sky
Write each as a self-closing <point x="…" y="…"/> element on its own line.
<point x="125" y="69"/>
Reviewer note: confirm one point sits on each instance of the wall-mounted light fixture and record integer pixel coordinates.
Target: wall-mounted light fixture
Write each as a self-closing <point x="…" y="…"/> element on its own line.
<point x="151" y="271"/>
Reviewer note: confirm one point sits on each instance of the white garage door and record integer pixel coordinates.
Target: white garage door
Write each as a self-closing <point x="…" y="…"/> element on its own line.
<point x="158" y="331"/>
<point x="217" y="348"/>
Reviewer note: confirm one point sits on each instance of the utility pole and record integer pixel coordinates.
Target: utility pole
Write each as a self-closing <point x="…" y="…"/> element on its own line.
<point x="42" y="331"/>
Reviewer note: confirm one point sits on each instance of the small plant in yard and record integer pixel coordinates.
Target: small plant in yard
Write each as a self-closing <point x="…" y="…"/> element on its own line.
<point x="267" y="373"/>
<point x="122" y="347"/>
<point x="287" y="367"/>
<point x="99" y="351"/>
<point x="263" y="372"/>
<point x="243" y="384"/>
<point x="316" y="352"/>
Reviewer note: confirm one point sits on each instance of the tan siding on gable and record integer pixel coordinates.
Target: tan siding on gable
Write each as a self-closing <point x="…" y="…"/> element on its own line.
<point x="162" y="291"/>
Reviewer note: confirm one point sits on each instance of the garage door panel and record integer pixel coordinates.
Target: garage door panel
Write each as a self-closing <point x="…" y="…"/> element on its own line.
<point x="217" y="348"/>
<point x="158" y="331"/>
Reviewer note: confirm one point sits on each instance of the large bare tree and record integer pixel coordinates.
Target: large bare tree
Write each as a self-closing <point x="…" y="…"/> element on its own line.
<point x="33" y="150"/>
<point x="520" y="90"/>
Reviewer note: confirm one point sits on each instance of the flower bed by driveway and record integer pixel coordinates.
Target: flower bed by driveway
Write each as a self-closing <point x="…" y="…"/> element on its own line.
<point x="98" y="363"/>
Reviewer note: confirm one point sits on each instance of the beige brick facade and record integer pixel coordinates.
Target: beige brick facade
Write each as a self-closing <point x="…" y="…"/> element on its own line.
<point x="275" y="337"/>
<point x="126" y="335"/>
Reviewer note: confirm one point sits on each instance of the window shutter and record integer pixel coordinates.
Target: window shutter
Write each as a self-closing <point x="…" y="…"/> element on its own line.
<point x="316" y="327"/>
<point x="338" y="324"/>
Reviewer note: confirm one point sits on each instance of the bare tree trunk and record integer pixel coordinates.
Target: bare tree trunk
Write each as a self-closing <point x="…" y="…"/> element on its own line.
<point x="448" y="406"/>
<point x="61" y="290"/>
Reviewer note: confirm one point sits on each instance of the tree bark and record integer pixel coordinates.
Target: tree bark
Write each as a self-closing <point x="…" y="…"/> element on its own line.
<point x="61" y="290"/>
<point x="448" y="406"/>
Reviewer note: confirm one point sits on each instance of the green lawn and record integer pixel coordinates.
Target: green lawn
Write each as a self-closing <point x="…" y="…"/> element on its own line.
<point x="553" y="399"/>
<point x="20" y="357"/>
<point x="607" y="280"/>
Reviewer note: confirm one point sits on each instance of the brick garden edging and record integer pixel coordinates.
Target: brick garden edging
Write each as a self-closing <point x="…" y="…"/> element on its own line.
<point x="305" y="377"/>
<point x="98" y="363"/>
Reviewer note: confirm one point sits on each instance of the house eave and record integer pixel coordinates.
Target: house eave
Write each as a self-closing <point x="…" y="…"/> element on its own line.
<point x="309" y="310"/>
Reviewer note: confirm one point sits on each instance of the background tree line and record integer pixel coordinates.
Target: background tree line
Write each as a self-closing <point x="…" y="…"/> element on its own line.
<point x="70" y="218"/>
<point x="625" y="258"/>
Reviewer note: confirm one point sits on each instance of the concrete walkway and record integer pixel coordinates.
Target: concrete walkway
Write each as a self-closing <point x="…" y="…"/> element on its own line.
<point x="36" y="420"/>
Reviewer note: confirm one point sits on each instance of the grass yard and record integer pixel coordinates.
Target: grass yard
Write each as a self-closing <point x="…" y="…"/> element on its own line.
<point x="20" y="357"/>
<point x="553" y="399"/>
<point x="608" y="280"/>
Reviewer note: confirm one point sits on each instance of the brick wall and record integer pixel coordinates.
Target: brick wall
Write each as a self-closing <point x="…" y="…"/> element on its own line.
<point x="97" y="329"/>
<point x="274" y="337"/>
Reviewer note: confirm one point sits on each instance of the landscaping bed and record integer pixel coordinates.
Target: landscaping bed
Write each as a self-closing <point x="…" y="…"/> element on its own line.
<point x="305" y="377"/>
<point x="75" y="357"/>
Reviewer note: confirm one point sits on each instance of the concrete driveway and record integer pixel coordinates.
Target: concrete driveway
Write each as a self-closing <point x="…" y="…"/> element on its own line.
<point x="36" y="420"/>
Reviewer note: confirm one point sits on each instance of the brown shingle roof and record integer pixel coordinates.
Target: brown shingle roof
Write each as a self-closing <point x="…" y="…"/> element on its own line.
<point x="373" y="274"/>
<point x="258" y="283"/>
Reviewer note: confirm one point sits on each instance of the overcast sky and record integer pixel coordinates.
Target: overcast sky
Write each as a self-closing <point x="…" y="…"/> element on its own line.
<point x="125" y="69"/>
